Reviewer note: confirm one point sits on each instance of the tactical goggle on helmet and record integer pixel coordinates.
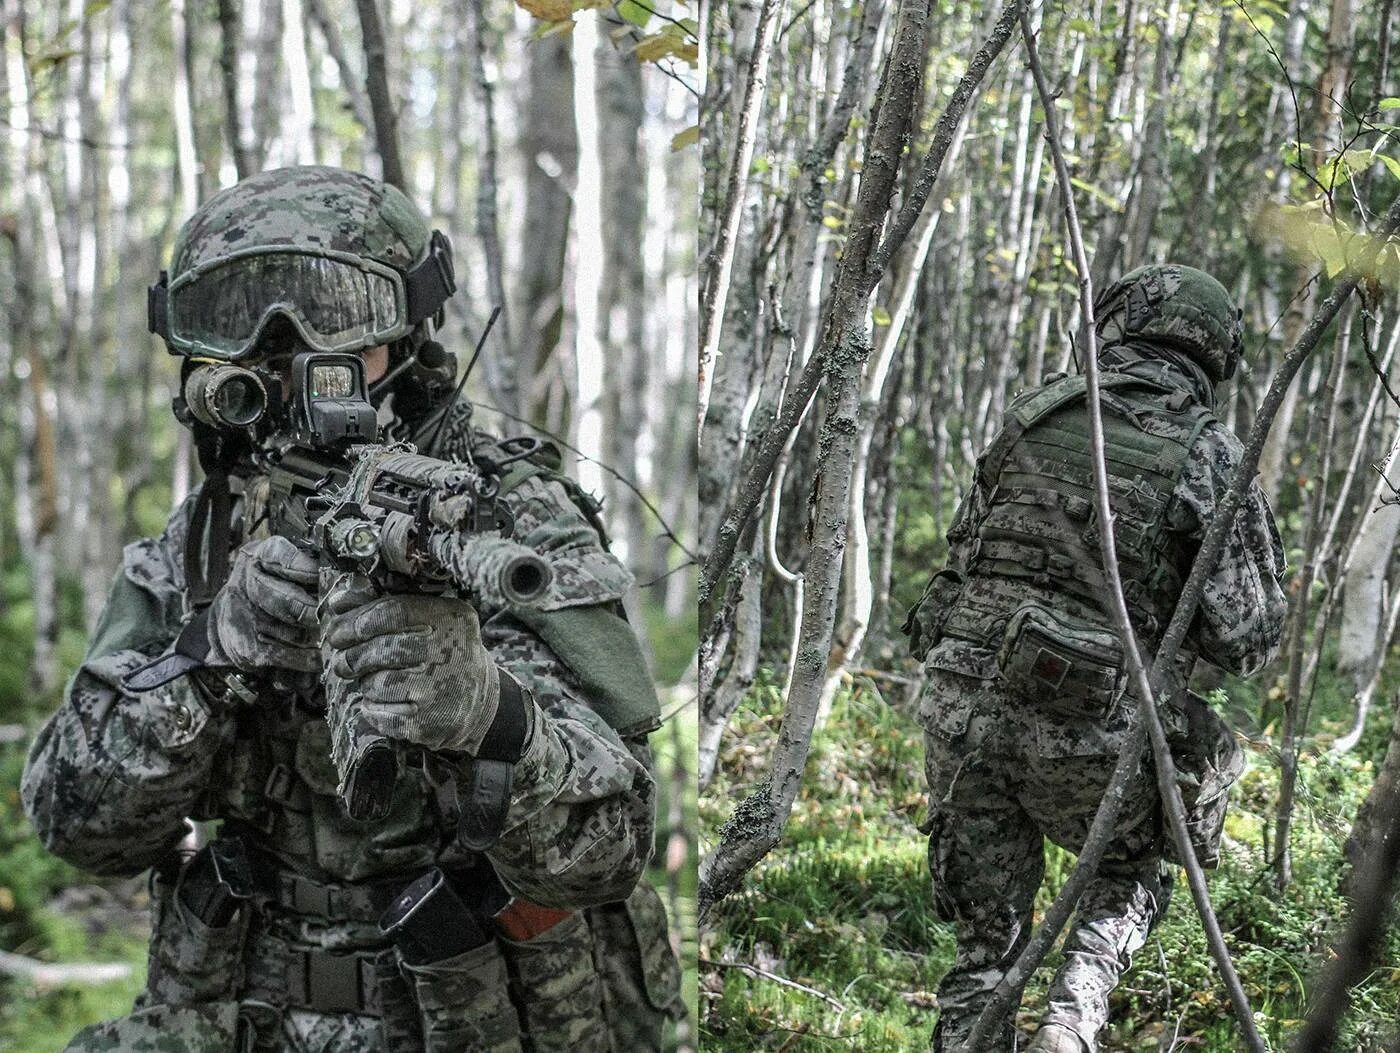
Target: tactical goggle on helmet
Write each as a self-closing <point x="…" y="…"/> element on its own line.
<point x="337" y="301"/>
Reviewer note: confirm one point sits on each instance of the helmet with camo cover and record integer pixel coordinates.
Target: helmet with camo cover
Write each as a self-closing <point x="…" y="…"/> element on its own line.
<point x="1174" y="306"/>
<point x="332" y="259"/>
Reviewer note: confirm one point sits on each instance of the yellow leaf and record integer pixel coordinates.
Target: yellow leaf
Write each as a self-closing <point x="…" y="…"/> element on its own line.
<point x="685" y="138"/>
<point x="545" y="30"/>
<point x="659" y="45"/>
<point x="548" y="10"/>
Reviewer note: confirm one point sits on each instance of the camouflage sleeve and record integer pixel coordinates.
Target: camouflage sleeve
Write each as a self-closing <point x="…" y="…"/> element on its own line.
<point x="111" y="776"/>
<point x="1240" y="621"/>
<point x="581" y="820"/>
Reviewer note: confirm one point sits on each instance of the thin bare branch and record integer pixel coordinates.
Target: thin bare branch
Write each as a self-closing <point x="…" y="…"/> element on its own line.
<point x="721" y="263"/>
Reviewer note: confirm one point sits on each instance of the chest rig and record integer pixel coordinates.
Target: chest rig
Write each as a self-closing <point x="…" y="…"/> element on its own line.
<point x="1039" y="536"/>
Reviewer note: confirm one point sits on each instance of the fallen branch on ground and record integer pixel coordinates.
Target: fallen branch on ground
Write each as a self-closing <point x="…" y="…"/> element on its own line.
<point x="753" y="970"/>
<point x="44" y="976"/>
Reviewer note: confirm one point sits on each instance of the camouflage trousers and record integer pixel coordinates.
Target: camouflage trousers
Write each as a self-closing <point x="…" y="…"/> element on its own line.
<point x="1002" y="778"/>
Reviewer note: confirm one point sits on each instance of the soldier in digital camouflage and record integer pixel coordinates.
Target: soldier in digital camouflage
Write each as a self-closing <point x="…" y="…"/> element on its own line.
<point x="1026" y="703"/>
<point x="206" y="683"/>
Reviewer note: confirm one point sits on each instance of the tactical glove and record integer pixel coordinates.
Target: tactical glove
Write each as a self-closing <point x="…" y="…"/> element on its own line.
<point x="265" y="614"/>
<point x="415" y="663"/>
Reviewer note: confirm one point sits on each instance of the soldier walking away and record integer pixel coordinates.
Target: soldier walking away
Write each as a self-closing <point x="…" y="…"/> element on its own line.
<point x="493" y="902"/>
<point x="1026" y="702"/>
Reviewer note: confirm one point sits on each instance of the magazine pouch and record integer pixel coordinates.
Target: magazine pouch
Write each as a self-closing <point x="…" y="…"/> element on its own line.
<point x="464" y="1003"/>
<point x="198" y="934"/>
<point x="556" y="987"/>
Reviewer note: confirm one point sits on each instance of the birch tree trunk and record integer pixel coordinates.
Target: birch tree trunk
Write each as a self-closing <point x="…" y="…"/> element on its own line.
<point x="267" y="147"/>
<point x="299" y="128"/>
<point x="589" y="258"/>
<point x="381" y="99"/>
<point x="625" y="290"/>
<point x="757" y="823"/>
<point x="715" y="283"/>
<point x="500" y="358"/>
<point x="549" y="140"/>
<point x="350" y="79"/>
<point x="229" y="40"/>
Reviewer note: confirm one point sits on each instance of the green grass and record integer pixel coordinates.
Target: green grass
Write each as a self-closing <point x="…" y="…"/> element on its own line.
<point x="33" y="1021"/>
<point x="673" y="746"/>
<point x="843" y="905"/>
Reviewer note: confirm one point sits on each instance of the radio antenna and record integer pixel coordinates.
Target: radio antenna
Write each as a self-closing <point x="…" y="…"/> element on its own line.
<point x="461" y="384"/>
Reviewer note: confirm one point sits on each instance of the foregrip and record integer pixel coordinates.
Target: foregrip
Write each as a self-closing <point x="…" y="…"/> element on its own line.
<point x="365" y="761"/>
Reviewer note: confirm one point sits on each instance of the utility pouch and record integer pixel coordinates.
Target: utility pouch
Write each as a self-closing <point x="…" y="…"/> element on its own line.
<point x="464" y="1002"/>
<point x="1208" y="761"/>
<point x="926" y="619"/>
<point x="192" y="960"/>
<point x="458" y="977"/>
<point x="640" y="975"/>
<point x="1062" y="664"/>
<point x="555" y="984"/>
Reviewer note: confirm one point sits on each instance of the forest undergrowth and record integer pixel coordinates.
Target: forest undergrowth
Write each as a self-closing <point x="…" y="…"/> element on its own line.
<point x="844" y="908"/>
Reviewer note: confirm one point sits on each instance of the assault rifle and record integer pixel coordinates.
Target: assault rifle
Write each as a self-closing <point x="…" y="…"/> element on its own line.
<point x="410" y="522"/>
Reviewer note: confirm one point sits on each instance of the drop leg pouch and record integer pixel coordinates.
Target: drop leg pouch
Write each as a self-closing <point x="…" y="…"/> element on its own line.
<point x="464" y="1003"/>
<point x="641" y="977"/>
<point x="557" y="988"/>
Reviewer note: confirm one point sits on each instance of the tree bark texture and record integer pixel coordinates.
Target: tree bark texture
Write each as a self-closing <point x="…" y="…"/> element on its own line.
<point x="381" y="99"/>
<point x="758" y="822"/>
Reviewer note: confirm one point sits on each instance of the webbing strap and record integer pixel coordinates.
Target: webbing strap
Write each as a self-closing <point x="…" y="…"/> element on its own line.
<point x="483" y="797"/>
<point x="189" y="652"/>
<point x="329" y="982"/>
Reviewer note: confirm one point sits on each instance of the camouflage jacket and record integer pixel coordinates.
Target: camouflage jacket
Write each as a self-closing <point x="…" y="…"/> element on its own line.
<point x="112" y="777"/>
<point x="1240" y="619"/>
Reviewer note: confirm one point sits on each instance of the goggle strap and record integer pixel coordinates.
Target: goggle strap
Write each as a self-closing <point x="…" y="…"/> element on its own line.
<point x="158" y="306"/>
<point x="429" y="284"/>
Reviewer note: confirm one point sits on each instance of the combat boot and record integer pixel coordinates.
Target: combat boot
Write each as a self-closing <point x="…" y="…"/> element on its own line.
<point x="1056" y="1038"/>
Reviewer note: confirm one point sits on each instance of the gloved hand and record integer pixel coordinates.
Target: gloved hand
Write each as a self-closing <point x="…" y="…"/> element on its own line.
<point x="416" y="663"/>
<point x="265" y="614"/>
